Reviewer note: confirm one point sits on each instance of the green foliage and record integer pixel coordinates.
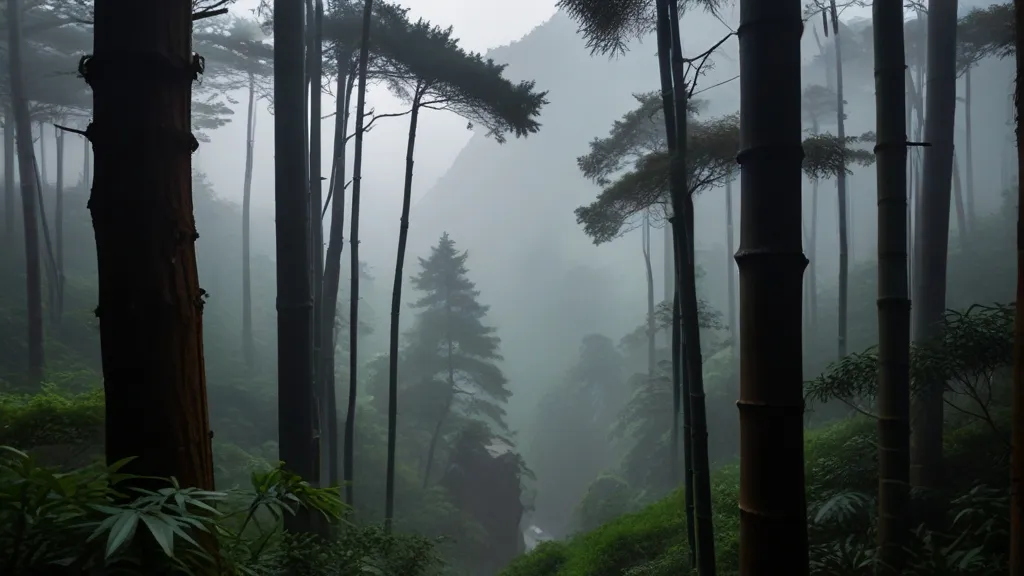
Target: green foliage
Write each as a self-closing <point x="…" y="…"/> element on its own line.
<point x="96" y="518"/>
<point x="51" y="417"/>
<point x="607" y="498"/>
<point x="984" y="32"/>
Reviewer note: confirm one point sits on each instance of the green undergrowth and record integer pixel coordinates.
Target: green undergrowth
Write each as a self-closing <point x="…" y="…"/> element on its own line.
<point x="840" y="461"/>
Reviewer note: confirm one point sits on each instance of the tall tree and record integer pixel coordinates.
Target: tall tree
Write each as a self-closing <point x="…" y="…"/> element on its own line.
<point x="294" y="290"/>
<point x="357" y="177"/>
<point x="931" y="238"/>
<point x="22" y="128"/>
<point x="451" y="353"/>
<point x="150" y="303"/>
<point x="239" y="59"/>
<point x="442" y="76"/>
<point x="1017" y="432"/>
<point x="58" y="216"/>
<point x="316" y="80"/>
<point x="773" y="518"/>
<point x="893" y="291"/>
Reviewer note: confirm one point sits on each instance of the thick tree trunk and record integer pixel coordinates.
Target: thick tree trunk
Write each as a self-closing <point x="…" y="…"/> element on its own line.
<point x="893" y="292"/>
<point x="248" y="343"/>
<point x="29" y="200"/>
<point x="396" y="309"/>
<point x="773" y="506"/>
<point x="357" y="175"/>
<point x="844" y="256"/>
<point x="294" y="292"/>
<point x="1017" y="432"/>
<point x="332" y="269"/>
<point x="931" y="238"/>
<point x="58" y="216"/>
<point x="150" y="303"/>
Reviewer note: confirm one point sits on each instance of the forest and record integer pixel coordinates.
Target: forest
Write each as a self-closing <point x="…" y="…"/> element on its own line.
<point x="782" y="338"/>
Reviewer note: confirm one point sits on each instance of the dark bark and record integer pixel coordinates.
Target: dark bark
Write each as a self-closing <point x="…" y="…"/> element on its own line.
<point x="773" y="507"/>
<point x="57" y="313"/>
<point x="150" y="303"/>
<point x="969" y="149"/>
<point x="29" y="199"/>
<point x="844" y="255"/>
<point x="730" y="248"/>
<point x="248" y="343"/>
<point x="931" y="240"/>
<point x="316" y="221"/>
<point x="332" y="268"/>
<point x="357" y="174"/>
<point x="294" y="290"/>
<point x="958" y="205"/>
<point x="87" y="163"/>
<point x="9" y="169"/>
<point x="686" y="279"/>
<point x="893" y="292"/>
<point x="1017" y="432"/>
<point x="681" y="406"/>
<point x="396" y="309"/>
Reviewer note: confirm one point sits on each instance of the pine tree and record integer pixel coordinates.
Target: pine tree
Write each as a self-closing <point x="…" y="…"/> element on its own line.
<point x="451" y="355"/>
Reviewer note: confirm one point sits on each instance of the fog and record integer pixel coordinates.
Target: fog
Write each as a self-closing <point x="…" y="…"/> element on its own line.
<point x="511" y="206"/>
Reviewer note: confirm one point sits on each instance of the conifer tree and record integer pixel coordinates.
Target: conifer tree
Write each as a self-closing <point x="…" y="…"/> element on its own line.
<point x="451" y="355"/>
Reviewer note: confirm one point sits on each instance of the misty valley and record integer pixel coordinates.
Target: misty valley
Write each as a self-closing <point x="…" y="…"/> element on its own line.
<point x="657" y="288"/>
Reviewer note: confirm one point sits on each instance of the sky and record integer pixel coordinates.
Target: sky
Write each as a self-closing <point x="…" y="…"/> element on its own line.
<point x="479" y="24"/>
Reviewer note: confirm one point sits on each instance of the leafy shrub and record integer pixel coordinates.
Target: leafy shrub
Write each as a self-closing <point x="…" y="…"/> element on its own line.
<point x="97" y="520"/>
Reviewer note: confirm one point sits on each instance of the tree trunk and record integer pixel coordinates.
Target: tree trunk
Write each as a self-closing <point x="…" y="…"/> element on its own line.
<point x="958" y="205"/>
<point x="773" y="506"/>
<point x="316" y="221"/>
<point x="87" y="164"/>
<point x="734" y="333"/>
<point x="844" y="256"/>
<point x="432" y="447"/>
<point x="911" y="172"/>
<point x="396" y="309"/>
<point x="332" y="268"/>
<point x="357" y="174"/>
<point x="42" y="155"/>
<point x="9" y="169"/>
<point x="893" y="293"/>
<point x="150" y="303"/>
<point x="248" y="343"/>
<point x="969" y="148"/>
<point x="686" y="280"/>
<point x="652" y="358"/>
<point x="294" y="292"/>
<point x="931" y="239"/>
<point x="29" y="202"/>
<point x="1017" y="433"/>
<point x="811" y="270"/>
<point x="58" y="312"/>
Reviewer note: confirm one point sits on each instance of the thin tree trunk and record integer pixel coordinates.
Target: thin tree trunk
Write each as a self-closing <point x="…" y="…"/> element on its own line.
<point x="87" y="164"/>
<point x="29" y="202"/>
<point x="332" y="267"/>
<point x="1017" y="432"/>
<point x="432" y="447"/>
<point x="42" y="155"/>
<point x="150" y="303"/>
<point x="396" y="309"/>
<point x="931" y="239"/>
<point x="294" y="292"/>
<point x="773" y="506"/>
<point x="316" y="221"/>
<point x="686" y="280"/>
<point x="357" y="174"/>
<point x="9" y="169"/>
<point x="958" y="205"/>
<point x="248" y="343"/>
<point x="812" y="271"/>
<point x="734" y="333"/>
<point x="58" y="216"/>
<point x="844" y="256"/>
<point x="681" y="405"/>
<point x="652" y="358"/>
<point x="51" y="259"/>
<point x="893" y="292"/>
<point x="969" y="148"/>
